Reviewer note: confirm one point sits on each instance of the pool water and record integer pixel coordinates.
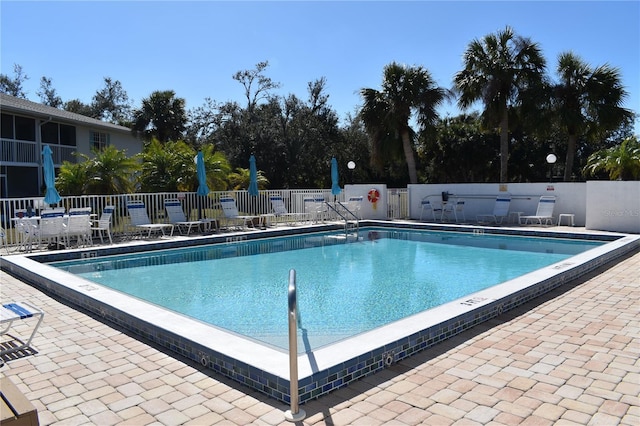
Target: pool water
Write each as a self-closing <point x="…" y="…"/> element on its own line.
<point x="344" y="287"/>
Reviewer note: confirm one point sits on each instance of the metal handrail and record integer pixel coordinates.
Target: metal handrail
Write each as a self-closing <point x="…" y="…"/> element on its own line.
<point x="346" y="220"/>
<point x="294" y="414"/>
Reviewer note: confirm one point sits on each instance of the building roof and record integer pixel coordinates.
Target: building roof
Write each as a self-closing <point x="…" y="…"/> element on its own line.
<point x="10" y="103"/>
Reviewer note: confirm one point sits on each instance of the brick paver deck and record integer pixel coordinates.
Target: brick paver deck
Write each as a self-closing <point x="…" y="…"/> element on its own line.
<point x="571" y="357"/>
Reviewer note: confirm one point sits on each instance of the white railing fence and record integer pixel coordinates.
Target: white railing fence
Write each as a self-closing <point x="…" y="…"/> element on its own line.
<point x="195" y="207"/>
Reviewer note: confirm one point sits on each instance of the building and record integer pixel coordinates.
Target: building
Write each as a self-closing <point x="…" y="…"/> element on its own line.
<point x="27" y="126"/>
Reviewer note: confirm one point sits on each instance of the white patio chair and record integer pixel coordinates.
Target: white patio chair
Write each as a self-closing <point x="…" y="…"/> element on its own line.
<point x="103" y="224"/>
<point x="453" y="207"/>
<point x="430" y="207"/>
<point x="51" y="228"/>
<point x="78" y="225"/>
<point x="316" y="208"/>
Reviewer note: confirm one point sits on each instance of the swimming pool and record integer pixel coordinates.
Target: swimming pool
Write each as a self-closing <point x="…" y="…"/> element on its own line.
<point x="265" y="367"/>
<point x="343" y="288"/>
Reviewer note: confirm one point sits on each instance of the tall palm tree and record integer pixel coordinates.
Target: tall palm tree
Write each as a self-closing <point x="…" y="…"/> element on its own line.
<point x="498" y="70"/>
<point x="587" y="102"/>
<point x="620" y="162"/>
<point x="162" y="116"/>
<point x="386" y="113"/>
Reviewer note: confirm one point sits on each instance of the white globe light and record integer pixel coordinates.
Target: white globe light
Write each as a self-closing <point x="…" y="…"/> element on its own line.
<point x="551" y="158"/>
<point x="351" y="165"/>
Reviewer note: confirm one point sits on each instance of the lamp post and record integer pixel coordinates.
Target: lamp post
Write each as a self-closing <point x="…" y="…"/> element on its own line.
<point x="351" y="165"/>
<point x="551" y="159"/>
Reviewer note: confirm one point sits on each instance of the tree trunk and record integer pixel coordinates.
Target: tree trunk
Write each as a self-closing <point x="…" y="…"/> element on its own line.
<point x="571" y="152"/>
<point x="504" y="145"/>
<point x="408" y="154"/>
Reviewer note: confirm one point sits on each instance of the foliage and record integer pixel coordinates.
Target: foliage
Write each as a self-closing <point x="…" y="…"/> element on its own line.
<point x="621" y="162"/>
<point x="170" y="167"/>
<point x="110" y="171"/>
<point x="72" y="178"/>
<point x="162" y="116"/>
<point x="587" y="102"/>
<point x="386" y="113"/>
<point x="112" y="103"/>
<point x="48" y="95"/>
<point x="500" y="70"/>
<point x="240" y="179"/>
<point x="13" y="86"/>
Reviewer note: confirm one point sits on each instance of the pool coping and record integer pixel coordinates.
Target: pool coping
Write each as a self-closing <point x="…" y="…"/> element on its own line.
<point x="328" y="368"/>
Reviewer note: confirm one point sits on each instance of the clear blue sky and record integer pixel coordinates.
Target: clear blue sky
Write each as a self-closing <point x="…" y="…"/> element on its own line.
<point x="194" y="48"/>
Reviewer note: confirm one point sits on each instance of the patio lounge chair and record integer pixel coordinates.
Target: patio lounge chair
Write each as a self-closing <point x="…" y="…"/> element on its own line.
<point x="104" y="224"/>
<point x="281" y="213"/>
<point x="544" y="212"/>
<point x="179" y="219"/>
<point x="9" y="314"/>
<point x="140" y="220"/>
<point x="500" y="211"/>
<point x="231" y="214"/>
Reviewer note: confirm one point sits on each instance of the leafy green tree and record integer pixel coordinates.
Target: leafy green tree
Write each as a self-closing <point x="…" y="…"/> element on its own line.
<point x="460" y="151"/>
<point x="111" y="103"/>
<point x="13" y="86"/>
<point x="620" y="162"/>
<point x="72" y="178"/>
<point x="79" y="107"/>
<point x="48" y="94"/>
<point x="162" y="116"/>
<point x="499" y="70"/>
<point x="386" y="113"/>
<point x="110" y="171"/>
<point x="587" y="102"/>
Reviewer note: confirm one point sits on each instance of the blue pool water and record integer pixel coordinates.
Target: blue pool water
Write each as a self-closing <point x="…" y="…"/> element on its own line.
<point x="343" y="288"/>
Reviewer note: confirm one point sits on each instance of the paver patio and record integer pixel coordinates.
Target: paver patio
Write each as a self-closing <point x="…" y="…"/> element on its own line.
<point x="570" y="357"/>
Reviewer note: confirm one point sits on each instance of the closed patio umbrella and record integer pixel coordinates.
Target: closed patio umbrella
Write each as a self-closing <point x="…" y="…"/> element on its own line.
<point x="335" y="185"/>
<point x="51" y="195"/>
<point x="203" y="189"/>
<point x="253" y="177"/>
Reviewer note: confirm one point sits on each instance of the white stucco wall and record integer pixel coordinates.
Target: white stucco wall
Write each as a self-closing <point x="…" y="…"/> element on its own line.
<point x="369" y="210"/>
<point x="613" y="206"/>
<point x="480" y="197"/>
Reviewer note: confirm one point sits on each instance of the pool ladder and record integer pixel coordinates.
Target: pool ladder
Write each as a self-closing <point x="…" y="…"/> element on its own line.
<point x="351" y="221"/>
<point x="295" y="414"/>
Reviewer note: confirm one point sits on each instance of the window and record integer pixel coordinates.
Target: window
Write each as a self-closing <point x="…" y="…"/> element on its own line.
<point x="67" y="135"/>
<point x="25" y="129"/>
<point x="7" y="126"/>
<point x="58" y="134"/>
<point x="99" y="140"/>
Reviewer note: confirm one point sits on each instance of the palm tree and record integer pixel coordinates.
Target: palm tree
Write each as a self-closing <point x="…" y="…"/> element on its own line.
<point x="621" y="162"/>
<point x="499" y="70"/>
<point x="240" y="179"/>
<point x="386" y="113"/>
<point x="162" y="116"/>
<point x="587" y="102"/>
<point x="110" y="171"/>
<point x="72" y="178"/>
